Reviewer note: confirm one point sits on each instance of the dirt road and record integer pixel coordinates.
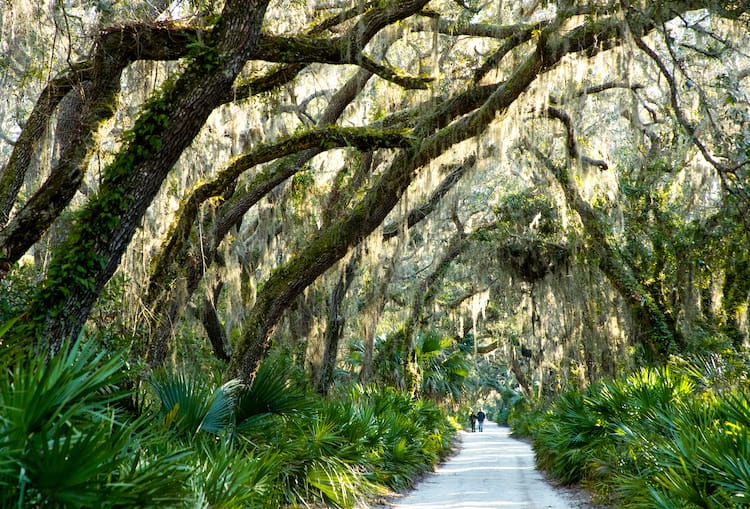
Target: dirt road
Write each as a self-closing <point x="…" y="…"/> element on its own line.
<point x="491" y="471"/>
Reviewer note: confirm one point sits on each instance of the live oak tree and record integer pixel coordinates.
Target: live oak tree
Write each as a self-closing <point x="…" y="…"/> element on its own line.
<point x="413" y="83"/>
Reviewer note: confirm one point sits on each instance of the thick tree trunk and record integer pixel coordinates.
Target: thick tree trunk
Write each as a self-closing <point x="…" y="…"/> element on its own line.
<point x="102" y="232"/>
<point x="98" y="82"/>
<point x="36" y="216"/>
<point x="14" y="172"/>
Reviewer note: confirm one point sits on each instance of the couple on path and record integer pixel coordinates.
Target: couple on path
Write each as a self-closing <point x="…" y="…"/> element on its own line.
<point x="478" y="417"/>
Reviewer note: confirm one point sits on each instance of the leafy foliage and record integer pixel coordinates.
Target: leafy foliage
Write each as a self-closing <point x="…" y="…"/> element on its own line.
<point x="189" y="407"/>
<point x="651" y="439"/>
<point x="67" y="442"/>
<point x="443" y="367"/>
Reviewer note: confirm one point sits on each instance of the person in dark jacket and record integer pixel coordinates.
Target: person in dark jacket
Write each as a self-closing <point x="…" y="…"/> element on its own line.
<point x="480" y="418"/>
<point x="473" y="420"/>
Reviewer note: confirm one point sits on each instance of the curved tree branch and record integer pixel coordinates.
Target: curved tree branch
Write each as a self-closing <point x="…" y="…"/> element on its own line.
<point x="332" y="243"/>
<point x="417" y="214"/>
<point x="179" y="254"/>
<point x="105" y="225"/>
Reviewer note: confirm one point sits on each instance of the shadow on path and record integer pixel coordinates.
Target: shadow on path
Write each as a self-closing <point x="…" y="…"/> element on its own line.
<point x="491" y="471"/>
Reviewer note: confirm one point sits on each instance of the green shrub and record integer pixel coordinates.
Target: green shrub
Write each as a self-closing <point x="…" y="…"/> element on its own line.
<point x="568" y="437"/>
<point x="65" y="442"/>
<point x="524" y="418"/>
<point x="652" y="439"/>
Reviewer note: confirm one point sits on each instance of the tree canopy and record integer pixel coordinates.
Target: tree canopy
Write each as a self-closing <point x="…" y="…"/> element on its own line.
<point x="563" y="183"/>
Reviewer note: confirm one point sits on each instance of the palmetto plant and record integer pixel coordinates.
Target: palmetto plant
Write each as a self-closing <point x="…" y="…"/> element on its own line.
<point x="189" y="406"/>
<point x="273" y="395"/>
<point x="64" y="443"/>
<point x="227" y="476"/>
<point x="568" y="438"/>
<point x="320" y="466"/>
<point x="650" y="440"/>
<point x="707" y="461"/>
<point x="442" y="367"/>
<point x="611" y="427"/>
<point x="409" y="436"/>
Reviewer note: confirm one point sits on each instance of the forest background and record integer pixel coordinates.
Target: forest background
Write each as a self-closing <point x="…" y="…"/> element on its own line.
<point x="451" y="199"/>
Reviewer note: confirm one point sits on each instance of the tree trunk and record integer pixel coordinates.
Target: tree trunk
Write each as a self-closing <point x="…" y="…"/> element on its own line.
<point x="332" y="244"/>
<point x="98" y="82"/>
<point x="83" y="265"/>
<point x="335" y="326"/>
<point x="209" y="317"/>
<point x="661" y="337"/>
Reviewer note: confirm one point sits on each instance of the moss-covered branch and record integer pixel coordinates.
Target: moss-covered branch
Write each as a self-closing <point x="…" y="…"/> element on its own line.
<point x="182" y="253"/>
<point x="419" y="213"/>
<point x="332" y="243"/>
<point x="326" y="138"/>
<point x="14" y="171"/>
<point x="168" y="124"/>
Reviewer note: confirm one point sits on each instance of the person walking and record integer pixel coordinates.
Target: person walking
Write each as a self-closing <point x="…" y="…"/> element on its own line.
<point x="480" y="418"/>
<point x="473" y="420"/>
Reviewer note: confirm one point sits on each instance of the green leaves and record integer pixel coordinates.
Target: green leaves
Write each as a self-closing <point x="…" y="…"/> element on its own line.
<point x="56" y="395"/>
<point x="271" y="393"/>
<point x="227" y="477"/>
<point x="64" y="442"/>
<point x="442" y="365"/>
<point x="189" y="406"/>
<point x="652" y="439"/>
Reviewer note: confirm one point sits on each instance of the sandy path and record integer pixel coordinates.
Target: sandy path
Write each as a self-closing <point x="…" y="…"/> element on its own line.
<point x="491" y="471"/>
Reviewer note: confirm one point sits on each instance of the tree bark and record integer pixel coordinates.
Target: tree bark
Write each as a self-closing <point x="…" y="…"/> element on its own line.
<point x="660" y="338"/>
<point x="331" y="244"/>
<point x="102" y="232"/>
<point x="97" y="80"/>
<point x="209" y="317"/>
<point x="168" y="294"/>
<point x="335" y="326"/>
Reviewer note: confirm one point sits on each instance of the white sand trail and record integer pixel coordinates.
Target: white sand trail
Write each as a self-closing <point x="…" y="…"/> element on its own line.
<point x="491" y="471"/>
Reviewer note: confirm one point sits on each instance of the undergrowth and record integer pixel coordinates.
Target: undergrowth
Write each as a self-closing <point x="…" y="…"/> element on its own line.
<point x="68" y="438"/>
<point x="670" y="437"/>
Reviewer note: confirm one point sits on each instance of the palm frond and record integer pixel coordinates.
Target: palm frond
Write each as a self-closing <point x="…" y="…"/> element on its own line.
<point x="188" y="406"/>
<point x="271" y="392"/>
<point x="65" y="444"/>
<point x="230" y="478"/>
